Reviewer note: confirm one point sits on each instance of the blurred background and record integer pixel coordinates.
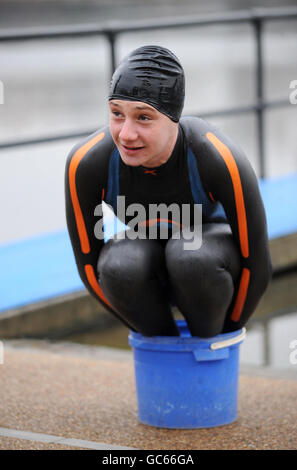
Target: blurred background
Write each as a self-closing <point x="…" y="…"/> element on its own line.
<point x="59" y="86"/>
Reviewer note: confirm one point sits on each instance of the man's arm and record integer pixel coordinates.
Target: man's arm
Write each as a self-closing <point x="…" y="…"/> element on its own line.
<point x="85" y="184"/>
<point x="229" y="178"/>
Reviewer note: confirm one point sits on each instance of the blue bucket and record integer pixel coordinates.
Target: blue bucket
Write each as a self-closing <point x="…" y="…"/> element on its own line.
<point x="186" y="382"/>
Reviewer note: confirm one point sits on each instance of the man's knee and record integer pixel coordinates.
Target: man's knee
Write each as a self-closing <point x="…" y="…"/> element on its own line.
<point x="131" y="260"/>
<point x="187" y="265"/>
<point x="201" y="278"/>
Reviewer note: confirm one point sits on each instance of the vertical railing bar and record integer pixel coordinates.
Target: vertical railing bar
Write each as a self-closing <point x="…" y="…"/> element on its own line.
<point x="111" y="36"/>
<point x="259" y="79"/>
<point x="266" y="344"/>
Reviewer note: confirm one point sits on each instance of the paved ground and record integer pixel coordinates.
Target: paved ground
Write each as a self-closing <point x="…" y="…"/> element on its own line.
<point x="63" y="396"/>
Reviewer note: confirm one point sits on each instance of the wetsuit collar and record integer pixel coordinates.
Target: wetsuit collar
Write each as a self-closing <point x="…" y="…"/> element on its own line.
<point x="170" y="162"/>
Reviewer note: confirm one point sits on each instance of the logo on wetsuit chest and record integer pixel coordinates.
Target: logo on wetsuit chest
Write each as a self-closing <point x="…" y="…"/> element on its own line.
<point x="150" y="172"/>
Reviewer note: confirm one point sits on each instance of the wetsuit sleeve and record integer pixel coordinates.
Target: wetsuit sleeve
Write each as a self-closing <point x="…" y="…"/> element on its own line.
<point x="229" y="178"/>
<point x="86" y="175"/>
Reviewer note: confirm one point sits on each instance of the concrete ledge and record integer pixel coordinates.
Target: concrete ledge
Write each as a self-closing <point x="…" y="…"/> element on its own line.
<point x="69" y="349"/>
<point x="55" y="318"/>
<point x="283" y="251"/>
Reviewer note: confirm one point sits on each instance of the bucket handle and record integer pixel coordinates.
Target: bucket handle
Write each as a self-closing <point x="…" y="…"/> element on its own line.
<point x="218" y="350"/>
<point x="228" y="342"/>
<point x="205" y="355"/>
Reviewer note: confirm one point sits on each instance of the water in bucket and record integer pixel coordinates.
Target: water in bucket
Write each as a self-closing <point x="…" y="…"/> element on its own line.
<point x="184" y="381"/>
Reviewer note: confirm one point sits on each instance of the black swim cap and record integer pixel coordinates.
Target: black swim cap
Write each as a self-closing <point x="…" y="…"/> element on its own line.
<point x="154" y="75"/>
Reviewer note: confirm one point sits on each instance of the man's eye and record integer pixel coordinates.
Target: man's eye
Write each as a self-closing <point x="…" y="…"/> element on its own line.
<point x="144" y="117"/>
<point x="115" y="113"/>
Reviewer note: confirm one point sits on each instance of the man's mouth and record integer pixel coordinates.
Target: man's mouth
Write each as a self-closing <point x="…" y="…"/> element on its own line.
<point x="132" y="149"/>
<point x="126" y="147"/>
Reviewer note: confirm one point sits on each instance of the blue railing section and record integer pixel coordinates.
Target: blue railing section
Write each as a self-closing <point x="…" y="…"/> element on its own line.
<point x="256" y="17"/>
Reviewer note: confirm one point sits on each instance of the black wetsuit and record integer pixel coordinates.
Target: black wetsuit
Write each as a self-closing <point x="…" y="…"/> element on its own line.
<point x="216" y="287"/>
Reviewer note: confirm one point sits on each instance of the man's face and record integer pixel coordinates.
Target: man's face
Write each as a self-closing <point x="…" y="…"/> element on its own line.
<point x="143" y="135"/>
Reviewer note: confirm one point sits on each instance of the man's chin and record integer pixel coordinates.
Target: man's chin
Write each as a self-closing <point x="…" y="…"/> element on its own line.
<point x="130" y="161"/>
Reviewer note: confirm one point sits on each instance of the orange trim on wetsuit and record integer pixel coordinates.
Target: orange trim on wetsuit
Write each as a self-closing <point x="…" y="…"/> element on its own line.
<point x="150" y="222"/>
<point x="89" y="270"/>
<point x="75" y="161"/>
<point x="211" y="197"/>
<point x="80" y="223"/>
<point x="241" y="295"/>
<point x="238" y="193"/>
<point x="228" y="158"/>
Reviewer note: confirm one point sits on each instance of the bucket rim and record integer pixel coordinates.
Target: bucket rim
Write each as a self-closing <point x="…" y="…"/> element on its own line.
<point x="173" y="343"/>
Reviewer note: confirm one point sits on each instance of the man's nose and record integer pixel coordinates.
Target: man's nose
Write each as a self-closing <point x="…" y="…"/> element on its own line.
<point x="128" y="131"/>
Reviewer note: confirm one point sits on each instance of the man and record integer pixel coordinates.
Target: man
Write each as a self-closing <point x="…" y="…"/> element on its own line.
<point x="150" y="155"/>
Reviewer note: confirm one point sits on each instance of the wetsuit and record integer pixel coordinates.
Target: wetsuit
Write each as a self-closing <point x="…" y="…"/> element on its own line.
<point x="216" y="287"/>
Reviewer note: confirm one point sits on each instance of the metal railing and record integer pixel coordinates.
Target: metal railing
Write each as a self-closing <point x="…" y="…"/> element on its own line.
<point x="265" y="324"/>
<point x="256" y="17"/>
